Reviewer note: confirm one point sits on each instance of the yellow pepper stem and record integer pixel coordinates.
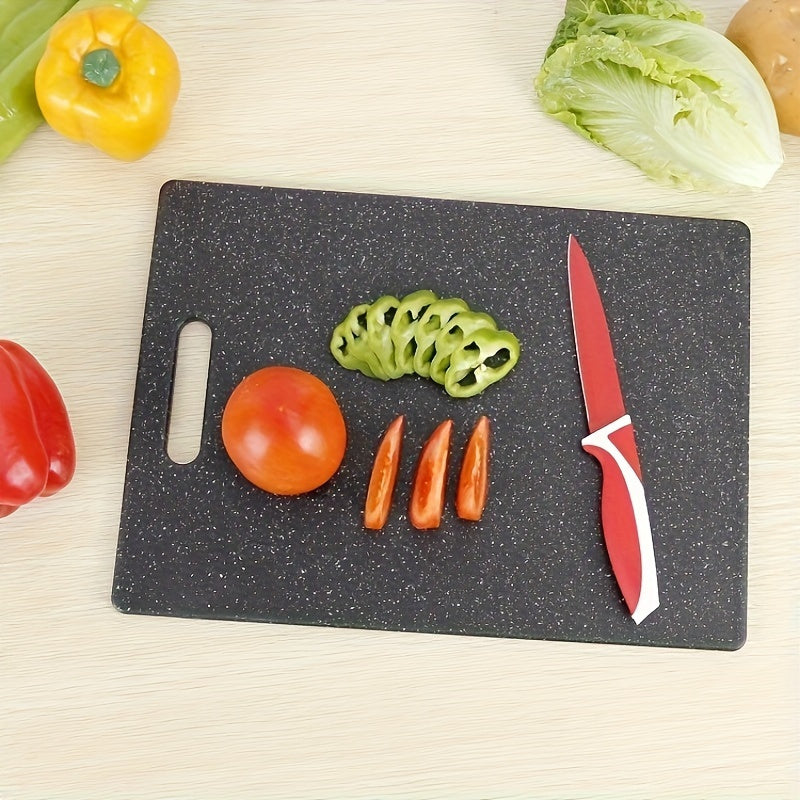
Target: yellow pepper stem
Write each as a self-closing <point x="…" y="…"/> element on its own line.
<point x="100" y="67"/>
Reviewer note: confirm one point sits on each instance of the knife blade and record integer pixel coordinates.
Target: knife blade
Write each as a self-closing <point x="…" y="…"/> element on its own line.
<point x="624" y="514"/>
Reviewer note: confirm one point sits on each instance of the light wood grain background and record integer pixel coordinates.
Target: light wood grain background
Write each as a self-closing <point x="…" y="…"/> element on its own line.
<point x="429" y="98"/>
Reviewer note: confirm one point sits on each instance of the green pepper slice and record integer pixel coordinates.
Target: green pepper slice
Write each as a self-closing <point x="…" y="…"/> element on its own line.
<point x="483" y="358"/>
<point x="380" y="316"/>
<point x="452" y="335"/>
<point x="349" y="344"/>
<point x="404" y="327"/>
<point x="428" y="327"/>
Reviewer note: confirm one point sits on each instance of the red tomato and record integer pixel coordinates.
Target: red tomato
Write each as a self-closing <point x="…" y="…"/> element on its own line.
<point x="430" y="480"/>
<point x="473" y="482"/>
<point x="384" y="476"/>
<point x="284" y="430"/>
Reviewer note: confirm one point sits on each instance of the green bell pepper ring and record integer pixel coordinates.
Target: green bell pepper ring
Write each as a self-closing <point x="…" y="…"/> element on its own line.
<point x="380" y="316"/>
<point x="349" y="346"/>
<point x="452" y="335"/>
<point x="483" y="358"/>
<point x="428" y="327"/>
<point x="404" y="327"/>
<point x="19" y="111"/>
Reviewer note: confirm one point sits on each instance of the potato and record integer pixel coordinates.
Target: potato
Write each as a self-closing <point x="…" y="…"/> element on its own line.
<point x="768" y="33"/>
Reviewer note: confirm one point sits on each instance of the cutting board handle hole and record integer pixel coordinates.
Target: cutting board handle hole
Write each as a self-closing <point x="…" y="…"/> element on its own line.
<point x="188" y="400"/>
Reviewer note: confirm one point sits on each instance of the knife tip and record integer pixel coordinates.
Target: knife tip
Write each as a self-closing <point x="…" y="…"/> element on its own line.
<point x="573" y="246"/>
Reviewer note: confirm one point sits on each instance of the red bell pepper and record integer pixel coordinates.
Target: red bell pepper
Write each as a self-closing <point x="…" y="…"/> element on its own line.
<point x="37" y="448"/>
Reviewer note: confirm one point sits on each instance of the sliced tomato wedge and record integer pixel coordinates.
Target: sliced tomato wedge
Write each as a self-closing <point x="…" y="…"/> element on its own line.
<point x="430" y="480"/>
<point x="384" y="476"/>
<point x="473" y="482"/>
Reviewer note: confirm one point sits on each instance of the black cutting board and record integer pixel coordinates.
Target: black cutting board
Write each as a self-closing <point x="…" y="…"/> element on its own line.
<point x="273" y="270"/>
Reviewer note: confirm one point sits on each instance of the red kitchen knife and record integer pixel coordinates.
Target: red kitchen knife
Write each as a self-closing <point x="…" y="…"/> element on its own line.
<point x="626" y="522"/>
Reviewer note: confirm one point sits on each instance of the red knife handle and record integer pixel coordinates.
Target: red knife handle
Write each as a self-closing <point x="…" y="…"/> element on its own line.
<point x="626" y="521"/>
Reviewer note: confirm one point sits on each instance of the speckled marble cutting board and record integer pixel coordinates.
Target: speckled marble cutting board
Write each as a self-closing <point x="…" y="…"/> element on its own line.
<point x="272" y="271"/>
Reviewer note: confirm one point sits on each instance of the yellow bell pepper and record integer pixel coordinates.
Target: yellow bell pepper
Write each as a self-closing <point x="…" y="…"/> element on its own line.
<point x="108" y="79"/>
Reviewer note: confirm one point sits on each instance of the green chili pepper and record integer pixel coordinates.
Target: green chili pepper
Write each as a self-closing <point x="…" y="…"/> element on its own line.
<point x="25" y="30"/>
<point x="349" y="345"/>
<point x="452" y="335"/>
<point x="380" y="316"/>
<point x="428" y="327"/>
<point x="21" y="22"/>
<point x="404" y="327"/>
<point x="9" y="9"/>
<point x="483" y="358"/>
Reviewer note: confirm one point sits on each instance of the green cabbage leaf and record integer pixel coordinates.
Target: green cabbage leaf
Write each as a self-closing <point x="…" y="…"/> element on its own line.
<point x="646" y="80"/>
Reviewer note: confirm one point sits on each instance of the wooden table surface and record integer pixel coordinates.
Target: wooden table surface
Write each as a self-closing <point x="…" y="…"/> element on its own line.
<point x="422" y="98"/>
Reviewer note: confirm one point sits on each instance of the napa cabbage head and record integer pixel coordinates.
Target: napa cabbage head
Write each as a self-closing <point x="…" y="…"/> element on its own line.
<point x="646" y="80"/>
